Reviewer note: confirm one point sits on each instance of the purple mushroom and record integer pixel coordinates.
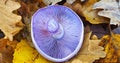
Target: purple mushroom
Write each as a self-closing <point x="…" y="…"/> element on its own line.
<point x="57" y="32"/>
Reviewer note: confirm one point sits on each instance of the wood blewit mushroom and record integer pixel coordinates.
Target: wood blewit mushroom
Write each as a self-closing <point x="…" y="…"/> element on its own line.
<point x="57" y="32"/>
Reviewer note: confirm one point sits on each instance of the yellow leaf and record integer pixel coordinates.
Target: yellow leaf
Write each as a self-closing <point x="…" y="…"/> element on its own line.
<point x="24" y="53"/>
<point x="10" y="23"/>
<point x="89" y="52"/>
<point x="116" y="40"/>
<point x="91" y="14"/>
<point x="111" y="54"/>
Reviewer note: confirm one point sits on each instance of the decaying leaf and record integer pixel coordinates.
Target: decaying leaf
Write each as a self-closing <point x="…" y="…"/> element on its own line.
<point x="10" y="23"/>
<point x="26" y="11"/>
<point x="48" y="2"/>
<point x="0" y="57"/>
<point x="91" y="14"/>
<point x="89" y="52"/>
<point x="86" y="11"/>
<point x="111" y="54"/>
<point x="6" y="50"/>
<point x="116" y="40"/>
<point x="70" y="1"/>
<point x="111" y="9"/>
<point x="24" y="53"/>
<point x="53" y="2"/>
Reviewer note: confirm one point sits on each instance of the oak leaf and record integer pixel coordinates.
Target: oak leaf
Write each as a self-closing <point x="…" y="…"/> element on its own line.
<point x="110" y="10"/>
<point x="91" y="14"/>
<point x="70" y="1"/>
<point x="90" y="49"/>
<point x="24" y="53"/>
<point x="53" y="2"/>
<point x="48" y="2"/>
<point x="10" y="23"/>
<point x="112" y="53"/>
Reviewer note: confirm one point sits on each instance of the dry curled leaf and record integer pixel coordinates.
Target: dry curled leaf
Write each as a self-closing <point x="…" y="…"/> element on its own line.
<point x="6" y="50"/>
<point x="24" y="53"/>
<point x="91" y="14"/>
<point x="110" y="10"/>
<point x="10" y="23"/>
<point x="90" y="49"/>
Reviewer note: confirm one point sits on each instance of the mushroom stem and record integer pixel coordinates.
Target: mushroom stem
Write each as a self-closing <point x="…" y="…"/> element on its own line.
<point x="56" y="29"/>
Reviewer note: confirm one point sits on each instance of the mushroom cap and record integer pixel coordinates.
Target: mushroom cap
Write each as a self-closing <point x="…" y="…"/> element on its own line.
<point x="57" y="32"/>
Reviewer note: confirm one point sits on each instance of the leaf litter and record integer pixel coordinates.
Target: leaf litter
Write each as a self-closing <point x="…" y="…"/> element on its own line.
<point x="103" y="50"/>
<point x="10" y="23"/>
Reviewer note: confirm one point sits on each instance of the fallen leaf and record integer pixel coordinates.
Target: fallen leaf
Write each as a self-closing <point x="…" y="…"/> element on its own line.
<point x="10" y="23"/>
<point x="110" y="10"/>
<point x="70" y="1"/>
<point x="116" y="40"/>
<point x="53" y="2"/>
<point x="76" y="7"/>
<point x="91" y="14"/>
<point x="111" y="54"/>
<point x="26" y="10"/>
<point x="6" y="50"/>
<point x="85" y="10"/>
<point x="0" y="57"/>
<point x="24" y="53"/>
<point x="89" y="49"/>
<point x="118" y="53"/>
<point x="82" y="0"/>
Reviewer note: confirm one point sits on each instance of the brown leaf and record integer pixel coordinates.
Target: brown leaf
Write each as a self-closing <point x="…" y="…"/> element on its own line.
<point x="90" y="49"/>
<point x="24" y="10"/>
<point x="6" y="50"/>
<point x="110" y="10"/>
<point x="48" y="2"/>
<point x="53" y="2"/>
<point x="0" y="57"/>
<point x="70" y="1"/>
<point x="116" y="40"/>
<point x="27" y="9"/>
<point x="111" y="54"/>
<point x="90" y="14"/>
<point x="86" y="11"/>
<point x="10" y="23"/>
